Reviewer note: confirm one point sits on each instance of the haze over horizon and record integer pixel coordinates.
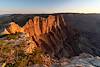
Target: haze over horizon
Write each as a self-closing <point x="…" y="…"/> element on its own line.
<point x="49" y="6"/>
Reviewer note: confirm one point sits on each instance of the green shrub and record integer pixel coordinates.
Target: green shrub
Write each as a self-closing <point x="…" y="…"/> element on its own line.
<point x="6" y="50"/>
<point x="12" y="36"/>
<point x="2" y="35"/>
<point x="2" y="42"/>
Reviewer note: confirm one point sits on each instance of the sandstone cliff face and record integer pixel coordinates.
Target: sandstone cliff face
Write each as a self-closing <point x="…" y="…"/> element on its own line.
<point x="52" y="34"/>
<point x="29" y="27"/>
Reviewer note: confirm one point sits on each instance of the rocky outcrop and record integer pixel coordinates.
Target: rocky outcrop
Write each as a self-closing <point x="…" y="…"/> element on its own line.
<point x="14" y="28"/>
<point x="52" y="34"/>
<point x="84" y="60"/>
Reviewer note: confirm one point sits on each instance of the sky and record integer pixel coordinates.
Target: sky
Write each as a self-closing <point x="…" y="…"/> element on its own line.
<point x="49" y="6"/>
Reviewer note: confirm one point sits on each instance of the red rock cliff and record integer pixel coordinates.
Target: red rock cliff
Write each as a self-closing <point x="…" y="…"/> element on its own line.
<point x="52" y="34"/>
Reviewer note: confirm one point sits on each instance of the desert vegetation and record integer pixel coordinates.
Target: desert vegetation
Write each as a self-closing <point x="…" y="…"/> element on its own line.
<point x="12" y="55"/>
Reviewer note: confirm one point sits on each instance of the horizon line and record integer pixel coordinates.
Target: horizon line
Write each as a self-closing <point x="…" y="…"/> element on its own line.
<point x="55" y="13"/>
